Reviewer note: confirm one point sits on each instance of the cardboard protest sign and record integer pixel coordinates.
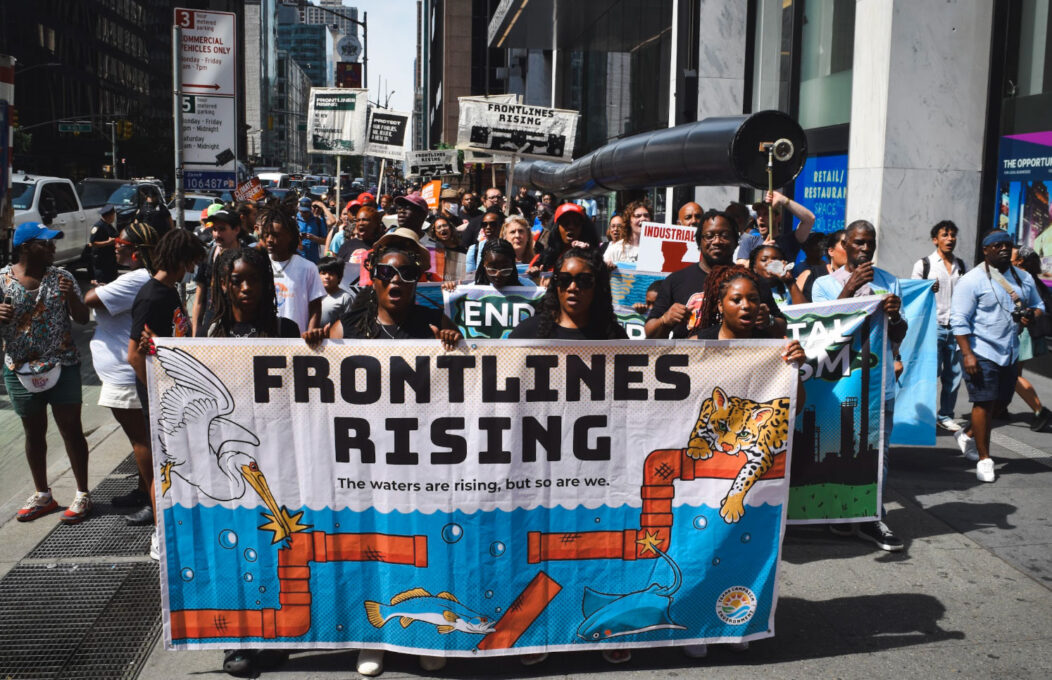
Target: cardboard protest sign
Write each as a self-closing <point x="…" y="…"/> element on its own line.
<point x="438" y="163"/>
<point x="385" y="136"/>
<point x="526" y="131"/>
<point x="251" y="190"/>
<point x="837" y="463"/>
<point x="504" y="498"/>
<point x="336" y="119"/>
<point x="666" y="247"/>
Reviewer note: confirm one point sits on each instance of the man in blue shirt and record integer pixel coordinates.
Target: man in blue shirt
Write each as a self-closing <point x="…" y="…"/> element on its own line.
<point x="990" y="305"/>
<point x="858" y="278"/>
<point x="312" y="230"/>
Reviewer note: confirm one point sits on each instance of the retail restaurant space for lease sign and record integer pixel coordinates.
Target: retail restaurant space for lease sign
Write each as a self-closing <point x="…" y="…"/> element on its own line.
<point x="501" y="498"/>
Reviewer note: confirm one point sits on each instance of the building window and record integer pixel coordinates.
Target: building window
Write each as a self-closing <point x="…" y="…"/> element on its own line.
<point x="826" y="54"/>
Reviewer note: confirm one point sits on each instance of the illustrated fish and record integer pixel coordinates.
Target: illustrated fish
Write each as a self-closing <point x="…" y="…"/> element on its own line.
<point x="609" y="615"/>
<point x="442" y="610"/>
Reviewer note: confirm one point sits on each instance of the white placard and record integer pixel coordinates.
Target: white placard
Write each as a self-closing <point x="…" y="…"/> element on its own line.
<point x="432" y="163"/>
<point x="209" y="131"/>
<point x="386" y="134"/>
<point x="207" y="52"/>
<point x="336" y="121"/>
<point x="666" y="247"/>
<point x="516" y="129"/>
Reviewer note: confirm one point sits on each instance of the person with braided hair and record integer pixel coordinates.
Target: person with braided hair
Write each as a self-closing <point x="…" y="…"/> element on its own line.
<point x="578" y="304"/>
<point x="112" y="303"/>
<point x="244" y="303"/>
<point x="297" y="282"/>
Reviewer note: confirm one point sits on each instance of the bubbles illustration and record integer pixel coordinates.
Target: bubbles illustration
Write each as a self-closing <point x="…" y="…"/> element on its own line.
<point x="497" y="548"/>
<point x="597" y="520"/>
<point x="746" y="538"/>
<point x="715" y="561"/>
<point x="248" y="577"/>
<point x="452" y="532"/>
<point x="339" y="626"/>
<point x="250" y="555"/>
<point x="262" y="589"/>
<point x="700" y="522"/>
<point x="499" y="610"/>
<point x="488" y="594"/>
<point x="227" y="539"/>
<point x="187" y="573"/>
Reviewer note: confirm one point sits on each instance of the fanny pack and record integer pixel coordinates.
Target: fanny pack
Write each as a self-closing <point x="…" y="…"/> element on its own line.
<point x="39" y="382"/>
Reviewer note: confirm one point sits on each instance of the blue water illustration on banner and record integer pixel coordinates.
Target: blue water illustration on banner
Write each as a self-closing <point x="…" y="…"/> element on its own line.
<point x="477" y="568"/>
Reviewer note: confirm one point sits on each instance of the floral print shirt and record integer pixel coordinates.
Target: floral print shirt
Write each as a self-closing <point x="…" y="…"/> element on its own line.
<point x="41" y="333"/>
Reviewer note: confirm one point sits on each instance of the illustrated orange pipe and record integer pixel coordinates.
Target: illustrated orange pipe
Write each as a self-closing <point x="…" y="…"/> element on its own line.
<point x="292" y="619"/>
<point x="660" y="471"/>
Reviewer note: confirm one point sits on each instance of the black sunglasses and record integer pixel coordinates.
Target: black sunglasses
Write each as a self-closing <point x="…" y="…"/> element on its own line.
<point x="584" y="280"/>
<point x="409" y="273"/>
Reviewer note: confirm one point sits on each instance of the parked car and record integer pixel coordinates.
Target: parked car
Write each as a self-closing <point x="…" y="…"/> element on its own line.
<point x="193" y="205"/>
<point x="54" y="201"/>
<point x="126" y="195"/>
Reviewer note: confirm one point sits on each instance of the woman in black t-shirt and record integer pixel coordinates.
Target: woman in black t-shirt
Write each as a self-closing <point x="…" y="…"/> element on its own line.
<point x="246" y="305"/>
<point x="578" y="304"/>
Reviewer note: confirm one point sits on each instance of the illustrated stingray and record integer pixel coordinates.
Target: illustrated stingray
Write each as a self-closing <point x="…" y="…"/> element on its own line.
<point x="197" y="405"/>
<point x="607" y="615"/>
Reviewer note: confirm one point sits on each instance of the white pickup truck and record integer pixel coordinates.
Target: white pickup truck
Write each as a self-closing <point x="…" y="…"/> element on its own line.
<point x="53" y="201"/>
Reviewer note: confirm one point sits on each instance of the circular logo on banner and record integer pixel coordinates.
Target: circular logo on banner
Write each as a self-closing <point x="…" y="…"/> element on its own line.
<point x="736" y="605"/>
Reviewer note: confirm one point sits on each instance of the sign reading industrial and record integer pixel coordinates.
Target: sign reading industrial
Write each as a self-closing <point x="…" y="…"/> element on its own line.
<point x="432" y="163"/>
<point x="336" y="121"/>
<point x="512" y="128"/>
<point x="386" y="136"/>
<point x="207" y="55"/>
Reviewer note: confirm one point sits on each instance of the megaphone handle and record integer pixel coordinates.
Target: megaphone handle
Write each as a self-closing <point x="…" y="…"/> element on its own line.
<point x="771" y="227"/>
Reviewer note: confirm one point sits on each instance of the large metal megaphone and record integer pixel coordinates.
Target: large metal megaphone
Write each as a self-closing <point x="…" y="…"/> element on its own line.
<point x="732" y="150"/>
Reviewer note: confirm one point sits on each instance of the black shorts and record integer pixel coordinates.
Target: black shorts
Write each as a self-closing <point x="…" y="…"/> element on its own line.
<point x="991" y="383"/>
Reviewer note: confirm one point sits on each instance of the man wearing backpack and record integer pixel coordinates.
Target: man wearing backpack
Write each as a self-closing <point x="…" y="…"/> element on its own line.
<point x="945" y="268"/>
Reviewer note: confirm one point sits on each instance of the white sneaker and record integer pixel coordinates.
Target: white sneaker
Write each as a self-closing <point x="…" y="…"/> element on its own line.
<point x="696" y="651"/>
<point x="371" y="662"/>
<point x="984" y="470"/>
<point x="967" y="446"/>
<point x="948" y="424"/>
<point x="155" y="546"/>
<point x="432" y="663"/>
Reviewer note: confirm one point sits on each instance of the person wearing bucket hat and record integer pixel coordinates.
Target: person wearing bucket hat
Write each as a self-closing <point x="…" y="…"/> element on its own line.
<point x="102" y="246"/>
<point x="109" y="354"/>
<point x="42" y="364"/>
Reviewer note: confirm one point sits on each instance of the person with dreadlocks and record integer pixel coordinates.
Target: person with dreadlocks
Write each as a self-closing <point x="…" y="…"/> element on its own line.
<point x="296" y="280"/>
<point x="112" y="303"/>
<point x="578" y="304"/>
<point x="387" y="310"/>
<point x="244" y="301"/>
<point x="158" y="310"/>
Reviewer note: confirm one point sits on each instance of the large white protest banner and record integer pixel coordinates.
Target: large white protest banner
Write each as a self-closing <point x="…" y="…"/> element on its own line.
<point x="438" y="163"/>
<point x="336" y="121"/>
<point x="506" y="497"/>
<point x="386" y="134"/>
<point x="519" y="129"/>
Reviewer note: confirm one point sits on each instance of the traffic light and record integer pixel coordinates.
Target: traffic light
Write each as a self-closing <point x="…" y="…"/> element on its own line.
<point x="126" y="129"/>
<point x="14" y="117"/>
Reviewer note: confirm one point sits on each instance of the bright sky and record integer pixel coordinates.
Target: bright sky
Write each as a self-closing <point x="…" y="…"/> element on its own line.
<point x="392" y="48"/>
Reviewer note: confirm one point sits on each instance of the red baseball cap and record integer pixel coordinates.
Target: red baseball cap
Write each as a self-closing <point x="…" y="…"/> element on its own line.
<point x="352" y="205"/>
<point x="366" y="198"/>
<point x="569" y="208"/>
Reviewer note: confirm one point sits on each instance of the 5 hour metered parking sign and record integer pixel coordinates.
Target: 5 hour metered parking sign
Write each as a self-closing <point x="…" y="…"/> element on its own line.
<point x="207" y="57"/>
<point x="336" y="121"/>
<point x="519" y="129"/>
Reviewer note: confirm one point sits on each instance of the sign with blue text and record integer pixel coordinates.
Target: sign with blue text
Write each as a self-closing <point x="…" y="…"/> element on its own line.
<point x="821" y="187"/>
<point x="502" y="498"/>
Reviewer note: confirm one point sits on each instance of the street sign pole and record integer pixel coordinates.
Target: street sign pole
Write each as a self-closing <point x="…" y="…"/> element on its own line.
<point x="113" y="147"/>
<point x="177" y="114"/>
<point x="337" y="187"/>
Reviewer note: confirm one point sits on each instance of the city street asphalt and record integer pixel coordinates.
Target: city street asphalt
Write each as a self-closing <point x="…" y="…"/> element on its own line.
<point x="969" y="597"/>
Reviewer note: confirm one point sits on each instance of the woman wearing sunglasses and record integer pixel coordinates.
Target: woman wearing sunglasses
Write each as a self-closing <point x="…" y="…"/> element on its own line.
<point x="387" y="309"/>
<point x="577" y="305"/>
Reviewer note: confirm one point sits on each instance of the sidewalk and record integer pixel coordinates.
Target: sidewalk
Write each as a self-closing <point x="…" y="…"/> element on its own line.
<point x="971" y="596"/>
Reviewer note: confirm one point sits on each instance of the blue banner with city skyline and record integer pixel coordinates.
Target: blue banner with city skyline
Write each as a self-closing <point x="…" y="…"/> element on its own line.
<point x="836" y="466"/>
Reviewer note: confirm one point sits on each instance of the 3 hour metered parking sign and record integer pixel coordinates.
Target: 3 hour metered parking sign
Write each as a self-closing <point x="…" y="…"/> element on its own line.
<point x="386" y="136"/>
<point x="336" y="121"/>
<point x="519" y="129"/>
<point x="432" y="163"/>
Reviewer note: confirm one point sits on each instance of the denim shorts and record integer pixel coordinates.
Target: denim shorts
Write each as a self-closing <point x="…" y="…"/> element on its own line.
<point x="992" y="383"/>
<point x="26" y="403"/>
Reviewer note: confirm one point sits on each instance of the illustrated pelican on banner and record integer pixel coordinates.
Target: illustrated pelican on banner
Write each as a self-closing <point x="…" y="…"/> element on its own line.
<point x="196" y="407"/>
